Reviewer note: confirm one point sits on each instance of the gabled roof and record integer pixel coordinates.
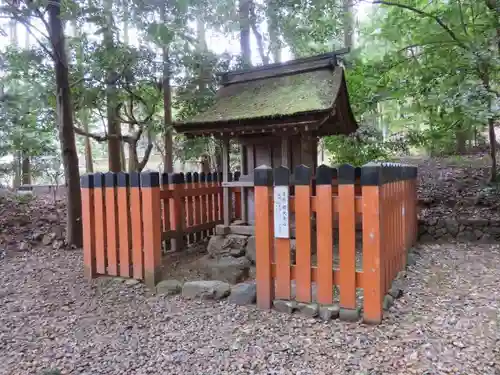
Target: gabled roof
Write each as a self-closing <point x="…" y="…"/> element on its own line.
<point x="275" y="95"/>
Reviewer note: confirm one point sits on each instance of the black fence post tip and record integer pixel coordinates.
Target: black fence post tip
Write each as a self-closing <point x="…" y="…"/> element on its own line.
<point x="135" y="179"/>
<point x="263" y="176"/>
<point x="87" y="181"/>
<point x="281" y="176"/>
<point x="324" y="175"/>
<point x="150" y="179"/>
<point x="347" y="174"/>
<point x="122" y="179"/>
<point x="302" y="175"/>
<point x="371" y="174"/>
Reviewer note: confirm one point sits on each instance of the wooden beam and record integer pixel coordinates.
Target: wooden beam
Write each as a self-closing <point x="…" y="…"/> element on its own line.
<point x="227" y="201"/>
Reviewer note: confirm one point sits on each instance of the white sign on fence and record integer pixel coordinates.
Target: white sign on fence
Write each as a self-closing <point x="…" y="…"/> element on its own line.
<point x="281" y="212"/>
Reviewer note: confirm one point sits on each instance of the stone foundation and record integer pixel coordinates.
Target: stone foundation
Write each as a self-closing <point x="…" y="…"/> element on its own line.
<point x="460" y="229"/>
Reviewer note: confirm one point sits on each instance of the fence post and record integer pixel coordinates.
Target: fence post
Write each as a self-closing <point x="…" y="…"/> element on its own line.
<point x="371" y="181"/>
<point x="136" y="226"/>
<point x="88" y="223"/>
<point x="124" y="241"/>
<point x="303" y="215"/>
<point x="111" y="223"/>
<point x="165" y="202"/>
<point x="189" y="206"/>
<point x="151" y="214"/>
<point x="347" y="242"/>
<point x="205" y="181"/>
<point x="282" y="257"/>
<point x="100" y="223"/>
<point x="324" y="229"/>
<point x="263" y="181"/>
<point x="197" y="206"/>
<point x="178" y="219"/>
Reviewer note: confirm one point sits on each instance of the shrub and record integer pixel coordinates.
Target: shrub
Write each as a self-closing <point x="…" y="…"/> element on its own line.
<point x="365" y="145"/>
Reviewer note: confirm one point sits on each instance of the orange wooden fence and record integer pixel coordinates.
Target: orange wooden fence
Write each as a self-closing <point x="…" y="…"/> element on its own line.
<point x="385" y="200"/>
<point x="128" y="217"/>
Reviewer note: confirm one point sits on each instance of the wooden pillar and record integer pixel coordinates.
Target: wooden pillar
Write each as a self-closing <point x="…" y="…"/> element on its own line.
<point x="227" y="201"/>
<point x="285" y="152"/>
<point x="263" y="180"/>
<point x="373" y="262"/>
<point x="88" y="223"/>
<point x="151" y="216"/>
<point x="244" y="191"/>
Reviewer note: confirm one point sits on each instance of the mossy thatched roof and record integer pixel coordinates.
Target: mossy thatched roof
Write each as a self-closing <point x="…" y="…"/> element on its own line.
<point x="274" y="97"/>
<point x="309" y="92"/>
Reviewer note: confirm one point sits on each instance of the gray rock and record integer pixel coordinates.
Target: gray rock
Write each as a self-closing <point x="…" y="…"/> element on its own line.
<point x="396" y="290"/>
<point x="169" y="287"/>
<point x="24" y="246"/>
<point x="310" y="310"/>
<point x="452" y="226"/>
<point x="206" y="289"/>
<point x="237" y="252"/>
<point x="243" y="294"/>
<point x="285" y="306"/>
<point x="216" y="245"/>
<point x="478" y="233"/>
<point x="131" y="282"/>
<point x="466" y="236"/>
<point x="477" y="222"/>
<point x="411" y="259"/>
<point x="487" y="238"/>
<point x="426" y="238"/>
<point x="494" y="230"/>
<point x="223" y="245"/>
<point x="349" y="315"/>
<point x="250" y="250"/>
<point x="48" y="238"/>
<point x="388" y="302"/>
<point x="37" y="236"/>
<point x="441" y="232"/>
<point x="228" y="269"/>
<point x="329" y="312"/>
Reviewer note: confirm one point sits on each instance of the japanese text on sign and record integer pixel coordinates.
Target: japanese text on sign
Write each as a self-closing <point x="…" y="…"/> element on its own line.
<point x="281" y="212"/>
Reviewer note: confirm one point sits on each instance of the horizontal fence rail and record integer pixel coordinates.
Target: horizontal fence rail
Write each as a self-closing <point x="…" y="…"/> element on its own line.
<point x="129" y="217"/>
<point x="382" y="197"/>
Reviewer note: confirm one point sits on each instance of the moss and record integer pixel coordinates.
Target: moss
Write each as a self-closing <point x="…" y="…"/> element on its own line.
<point x="274" y="97"/>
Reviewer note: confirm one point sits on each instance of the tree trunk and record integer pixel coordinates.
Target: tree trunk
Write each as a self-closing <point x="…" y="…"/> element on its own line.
<point x="65" y="122"/>
<point x="83" y="112"/>
<point x="246" y="52"/>
<point x="17" y="170"/>
<point x="26" y="170"/>
<point x="168" y="157"/>
<point x="348" y="23"/>
<point x="274" y="38"/>
<point x="133" y="159"/>
<point x="89" y="163"/>
<point x="461" y="138"/>
<point x="114" y="143"/>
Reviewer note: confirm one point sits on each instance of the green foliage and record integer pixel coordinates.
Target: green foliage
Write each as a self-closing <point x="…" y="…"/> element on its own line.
<point x="365" y="145"/>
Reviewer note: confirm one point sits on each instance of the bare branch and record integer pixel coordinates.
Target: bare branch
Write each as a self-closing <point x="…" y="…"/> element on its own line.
<point x="147" y="153"/>
<point x="102" y="138"/>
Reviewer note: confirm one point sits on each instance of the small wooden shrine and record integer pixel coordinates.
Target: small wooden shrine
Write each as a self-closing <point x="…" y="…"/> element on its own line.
<point x="277" y="113"/>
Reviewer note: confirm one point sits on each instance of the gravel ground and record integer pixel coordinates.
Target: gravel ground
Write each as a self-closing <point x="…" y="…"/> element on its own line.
<point x="446" y="323"/>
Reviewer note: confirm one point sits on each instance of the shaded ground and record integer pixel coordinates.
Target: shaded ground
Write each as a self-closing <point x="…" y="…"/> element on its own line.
<point x="446" y="323"/>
